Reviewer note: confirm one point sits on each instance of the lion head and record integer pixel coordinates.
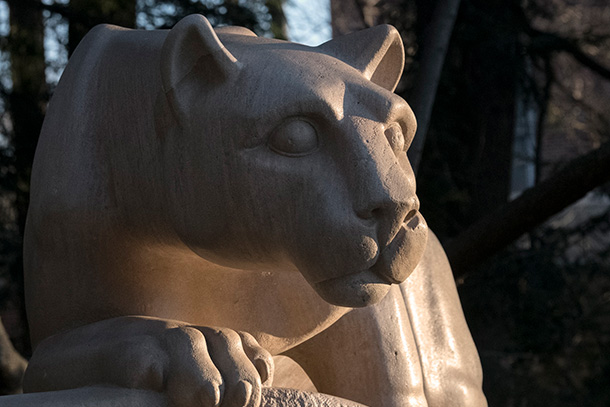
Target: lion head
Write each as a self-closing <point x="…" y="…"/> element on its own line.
<point x="280" y="156"/>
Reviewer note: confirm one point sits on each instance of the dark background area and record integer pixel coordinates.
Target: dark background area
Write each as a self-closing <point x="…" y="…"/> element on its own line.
<point x="518" y="134"/>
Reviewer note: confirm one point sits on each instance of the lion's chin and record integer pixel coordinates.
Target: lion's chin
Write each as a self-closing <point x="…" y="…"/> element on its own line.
<point x="354" y="290"/>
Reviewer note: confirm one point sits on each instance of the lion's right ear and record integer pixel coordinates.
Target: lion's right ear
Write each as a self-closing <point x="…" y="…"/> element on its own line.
<point x="377" y="52"/>
<point x="192" y="46"/>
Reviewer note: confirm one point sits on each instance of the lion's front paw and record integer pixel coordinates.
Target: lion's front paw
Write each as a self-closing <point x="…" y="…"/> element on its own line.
<point x="215" y="367"/>
<point x="193" y="366"/>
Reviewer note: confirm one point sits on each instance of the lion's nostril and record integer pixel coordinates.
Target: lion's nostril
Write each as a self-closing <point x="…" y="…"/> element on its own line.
<point x="410" y="215"/>
<point x="376" y="213"/>
<point x="370" y="214"/>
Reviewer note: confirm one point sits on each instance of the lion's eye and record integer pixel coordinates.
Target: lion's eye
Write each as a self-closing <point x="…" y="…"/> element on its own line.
<point x="395" y="138"/>
<point x="294" y="138"/>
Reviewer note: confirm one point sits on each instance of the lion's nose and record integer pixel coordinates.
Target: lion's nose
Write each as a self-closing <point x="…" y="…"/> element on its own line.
<point x="389" y="213"/>
<point x="383" y="208"/>
<point x="383" y="188"/>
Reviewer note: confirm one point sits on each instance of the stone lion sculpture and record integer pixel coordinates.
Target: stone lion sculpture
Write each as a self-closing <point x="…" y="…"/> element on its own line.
<point x="203" y="201"/>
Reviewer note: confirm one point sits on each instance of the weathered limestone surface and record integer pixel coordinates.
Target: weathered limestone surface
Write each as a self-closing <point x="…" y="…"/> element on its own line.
<point x="117" y="397"/>
<point x="204" y="201"/>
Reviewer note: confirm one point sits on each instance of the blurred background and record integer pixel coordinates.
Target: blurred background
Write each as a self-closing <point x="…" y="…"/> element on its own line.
<point x="512" y="157"/>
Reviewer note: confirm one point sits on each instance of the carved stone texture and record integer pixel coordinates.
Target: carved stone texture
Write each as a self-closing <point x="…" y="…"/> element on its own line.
<point x="116" y="397"/>
<point x="276" y="397"/>
<point x="204" y="200"/>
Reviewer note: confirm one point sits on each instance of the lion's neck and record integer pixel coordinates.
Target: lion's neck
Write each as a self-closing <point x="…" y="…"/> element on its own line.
<point x="113" y="273"/>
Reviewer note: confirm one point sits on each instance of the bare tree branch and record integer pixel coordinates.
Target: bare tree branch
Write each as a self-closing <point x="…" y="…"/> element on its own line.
<point x="502" y="226"/>
<point x="549" y="42"/>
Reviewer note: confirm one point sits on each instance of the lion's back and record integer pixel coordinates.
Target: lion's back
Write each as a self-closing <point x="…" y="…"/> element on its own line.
<point x="106" y="96"/>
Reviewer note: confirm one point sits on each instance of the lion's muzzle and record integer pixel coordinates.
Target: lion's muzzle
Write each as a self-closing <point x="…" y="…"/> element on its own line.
<point x="400" y="257"/>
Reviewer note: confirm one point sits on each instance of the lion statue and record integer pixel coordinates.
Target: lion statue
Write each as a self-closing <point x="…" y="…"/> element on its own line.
<point x="205" y="200"/>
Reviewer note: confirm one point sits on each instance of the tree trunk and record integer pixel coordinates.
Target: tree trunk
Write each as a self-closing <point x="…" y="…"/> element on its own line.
<point x="278" y="19"/>
<point x="28" y="97"/>
<point x="26" y="104"/>
<point x="434" y="49"/>
<point x="353" y="15"/>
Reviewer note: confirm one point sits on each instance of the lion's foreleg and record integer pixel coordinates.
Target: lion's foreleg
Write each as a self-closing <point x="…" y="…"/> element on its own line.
<point x="368" y="356"/>
<point x="449" y="360"/>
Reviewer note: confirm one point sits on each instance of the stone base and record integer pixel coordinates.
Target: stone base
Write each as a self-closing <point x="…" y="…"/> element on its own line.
<point x="118" y="397"/>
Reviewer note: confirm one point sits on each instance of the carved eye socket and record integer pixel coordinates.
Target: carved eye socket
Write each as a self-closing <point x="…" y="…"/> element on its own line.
<point x="395" y="138"/>
<point x="294" y="138"/>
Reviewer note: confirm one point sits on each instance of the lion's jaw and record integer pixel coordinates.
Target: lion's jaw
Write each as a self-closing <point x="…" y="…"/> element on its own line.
<point x="393" y="265"/>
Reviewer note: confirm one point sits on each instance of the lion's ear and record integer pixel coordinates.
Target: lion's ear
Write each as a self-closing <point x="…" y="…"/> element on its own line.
<point x="192" y="46"/>
<point x="376" y="52"/>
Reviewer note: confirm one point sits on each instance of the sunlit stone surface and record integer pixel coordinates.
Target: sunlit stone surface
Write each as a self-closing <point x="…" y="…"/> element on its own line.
<point x="203" y="201"/>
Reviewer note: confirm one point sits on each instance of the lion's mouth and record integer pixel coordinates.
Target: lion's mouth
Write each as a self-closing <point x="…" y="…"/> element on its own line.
<point x="399" y="258"/>
<point x="394" y="264"/>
